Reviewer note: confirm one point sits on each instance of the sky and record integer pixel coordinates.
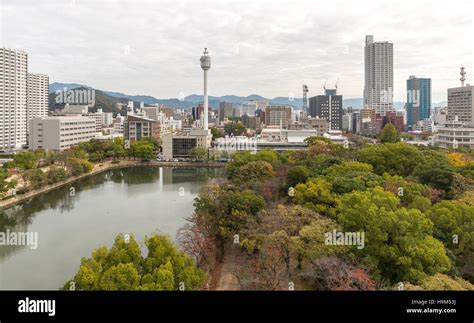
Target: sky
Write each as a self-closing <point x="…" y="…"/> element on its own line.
<point x="260" y="47"/>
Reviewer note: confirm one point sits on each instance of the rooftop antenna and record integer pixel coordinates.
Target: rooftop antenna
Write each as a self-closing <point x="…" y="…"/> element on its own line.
<point x="463" y="75"/>
<point x="337" y="81"/>
<point x="324" y="86"/>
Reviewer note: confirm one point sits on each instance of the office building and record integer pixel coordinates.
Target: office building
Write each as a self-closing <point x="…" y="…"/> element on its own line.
<point x="378" y="88"/>
<point x="136" y="128"/>
<point x="461" y="103"/>
<point x="59" y="132"/>
<point x="418" y="105"/>
<point x="107" y="118"/>
<point x="328" y="107"/>
<point x="278" y="116"/>
<point x="226" y="110"/>
<point x="180" y="145"/>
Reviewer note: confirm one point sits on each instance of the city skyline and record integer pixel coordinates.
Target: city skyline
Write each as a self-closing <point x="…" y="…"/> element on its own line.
<point x="257" y="48"/>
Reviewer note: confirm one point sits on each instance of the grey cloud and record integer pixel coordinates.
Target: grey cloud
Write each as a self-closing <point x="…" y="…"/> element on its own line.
<point x="261" y="46"/>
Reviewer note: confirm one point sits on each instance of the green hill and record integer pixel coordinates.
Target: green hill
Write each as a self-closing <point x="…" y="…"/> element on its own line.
<point x="102" y="100"/>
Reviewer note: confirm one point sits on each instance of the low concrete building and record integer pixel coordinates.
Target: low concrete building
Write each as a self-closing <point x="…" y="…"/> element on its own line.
<point x="180" y="145"/>
<point x="136" y="128"/>
<point x="455" y="134"/>
<point x="60" y="132"/>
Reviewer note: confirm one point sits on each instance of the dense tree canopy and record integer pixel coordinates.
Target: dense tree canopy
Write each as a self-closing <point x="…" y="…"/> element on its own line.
<point x="389" y="134"/>
<point x="122" y="267"/>
<point x="399" y="241"/>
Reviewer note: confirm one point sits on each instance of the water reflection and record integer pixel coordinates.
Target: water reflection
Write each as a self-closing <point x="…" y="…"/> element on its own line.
<point x="70" y="225"/>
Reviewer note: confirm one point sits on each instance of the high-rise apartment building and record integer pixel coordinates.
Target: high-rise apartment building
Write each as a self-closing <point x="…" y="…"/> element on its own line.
<point x="13" y="98"/>
<point x="378" y="89"/>
<point x="328" y="107"/>
<point x="37" y="95"/>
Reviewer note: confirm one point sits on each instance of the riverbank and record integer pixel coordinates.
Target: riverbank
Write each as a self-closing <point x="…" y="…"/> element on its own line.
<point x="99" y="168"/>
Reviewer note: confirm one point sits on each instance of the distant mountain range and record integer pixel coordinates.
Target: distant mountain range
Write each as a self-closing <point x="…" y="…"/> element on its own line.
<point x="107" y="99"/>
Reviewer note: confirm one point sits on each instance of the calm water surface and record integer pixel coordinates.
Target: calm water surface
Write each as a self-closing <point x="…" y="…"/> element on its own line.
<point x="70" y="226"/>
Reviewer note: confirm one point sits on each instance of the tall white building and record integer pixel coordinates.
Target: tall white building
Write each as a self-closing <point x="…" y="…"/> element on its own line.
<point x="13" y="98"/>
<point x="378" y="89"/>
<point x="37" y="95"/>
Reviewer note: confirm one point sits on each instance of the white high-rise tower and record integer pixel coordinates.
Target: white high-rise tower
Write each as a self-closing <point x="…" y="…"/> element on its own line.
<point x="378" y="89"/>
<point x="205" y="65"/>
<point x="13" y="96"/>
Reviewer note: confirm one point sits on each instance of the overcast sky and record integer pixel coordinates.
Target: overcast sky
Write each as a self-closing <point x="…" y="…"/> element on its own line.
<point x="264" y="47"/>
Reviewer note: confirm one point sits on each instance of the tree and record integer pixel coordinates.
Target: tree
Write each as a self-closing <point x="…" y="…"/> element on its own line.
<point x="253" y="172"/>
<point x="235" y="129"/>
<point x="55" y="174"/>
<point x="407" y="190"/>
<point x="400" y="245"/>
<point x="317" y="195"/>
<point x="454" y="225"/>
<point x="76" y="166"/>
<point x="143" y="150"/>
<point x="25" y="160"/>
<point x="467" y="171"/>
<point x="152" y="140"/>
<point x="242" y="158"/>
<point x="389" y="134"/>
<point x="437" y="174"/>
<point x="35" y="177"/>
<point x="124" y="268"/>
<point x="4" y="184"/>
<point x="332" y="273"/>
<point x="221" y="211"/>
<point x="117" y="150"/>
<point x="442" y="282"/>
<point x="217" y="133"/>
<point x="198" y="153"/>
<point x="320" y="145"/>
<point x="296" y="175"/>
<point x="349" y="176"/>
<point x="392" y="158"/>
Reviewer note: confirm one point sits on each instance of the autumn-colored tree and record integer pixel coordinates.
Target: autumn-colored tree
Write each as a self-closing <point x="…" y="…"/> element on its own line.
<point x="332" y="273"/>
<point x="253" y="172"/>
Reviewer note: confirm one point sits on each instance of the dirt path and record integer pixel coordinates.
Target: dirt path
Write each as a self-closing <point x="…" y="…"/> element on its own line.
<point x="226" y="280"/>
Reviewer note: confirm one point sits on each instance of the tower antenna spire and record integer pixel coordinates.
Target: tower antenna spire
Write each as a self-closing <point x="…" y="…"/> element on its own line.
<point x="205" y="65"/>
<point x="463" y="75"/>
